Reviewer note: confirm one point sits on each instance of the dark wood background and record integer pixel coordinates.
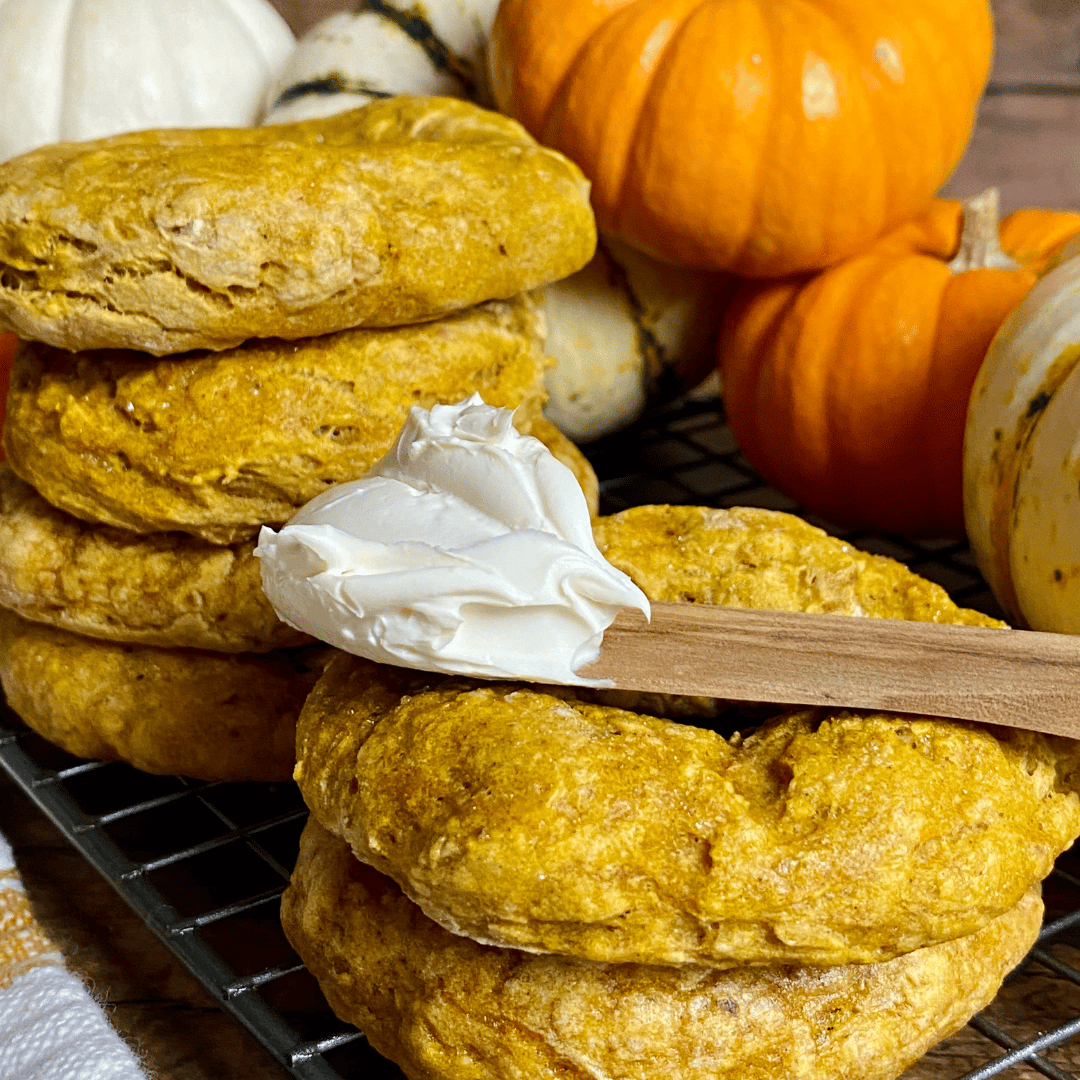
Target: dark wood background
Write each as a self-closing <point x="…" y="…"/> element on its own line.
<point x="1027" y="142"/>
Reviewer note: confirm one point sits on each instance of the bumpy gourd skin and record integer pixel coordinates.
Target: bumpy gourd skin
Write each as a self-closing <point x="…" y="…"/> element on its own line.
<point x="526" y="818"/>
<point x="209" y="715"/>
<point x="399" y="212"/>
<point x="218" y="443"/>
<point x="446" y="1008"/>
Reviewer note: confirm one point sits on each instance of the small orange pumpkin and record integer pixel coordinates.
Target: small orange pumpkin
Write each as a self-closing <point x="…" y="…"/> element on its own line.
<point x="848" y="389"/>
<point x="761" y="137"/>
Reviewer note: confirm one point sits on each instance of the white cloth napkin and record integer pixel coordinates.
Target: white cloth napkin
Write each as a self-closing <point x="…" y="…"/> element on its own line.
<point x="50" y="1026"/>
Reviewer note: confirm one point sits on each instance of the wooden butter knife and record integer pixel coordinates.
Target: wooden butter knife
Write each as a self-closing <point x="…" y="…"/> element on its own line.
<point x="1019" y="678"/>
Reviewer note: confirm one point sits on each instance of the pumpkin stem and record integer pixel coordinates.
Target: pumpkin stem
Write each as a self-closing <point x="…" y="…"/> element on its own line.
<point x="980" y="247"/>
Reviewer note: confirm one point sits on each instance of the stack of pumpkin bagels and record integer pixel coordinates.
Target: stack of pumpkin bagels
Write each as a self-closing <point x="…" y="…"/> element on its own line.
<point x="511" y="880"/>
<point x="497" y="879"/>
<point x="215" y="326"/>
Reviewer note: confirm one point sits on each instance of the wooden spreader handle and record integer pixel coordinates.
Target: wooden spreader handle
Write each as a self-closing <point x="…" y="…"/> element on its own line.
<point x="1020" y="678"/>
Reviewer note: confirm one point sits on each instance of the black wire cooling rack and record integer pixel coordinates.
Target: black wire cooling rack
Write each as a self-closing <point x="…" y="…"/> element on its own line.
<point x="204" y="864"/>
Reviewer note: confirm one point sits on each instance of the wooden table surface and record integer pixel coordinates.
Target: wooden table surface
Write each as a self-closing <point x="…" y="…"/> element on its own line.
<point x="1026" y="142"/>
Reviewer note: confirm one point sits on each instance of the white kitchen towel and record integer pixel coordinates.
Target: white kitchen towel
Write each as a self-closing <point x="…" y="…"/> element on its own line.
<point x="51" y="1028"/>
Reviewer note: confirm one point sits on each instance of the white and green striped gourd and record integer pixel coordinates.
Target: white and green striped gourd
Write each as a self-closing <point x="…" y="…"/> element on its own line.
<point x="625" y="330"/>
<point x="380" y="49"/>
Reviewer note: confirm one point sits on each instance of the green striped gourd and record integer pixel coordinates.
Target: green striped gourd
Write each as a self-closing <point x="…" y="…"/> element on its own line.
<point x="378" y="50"/>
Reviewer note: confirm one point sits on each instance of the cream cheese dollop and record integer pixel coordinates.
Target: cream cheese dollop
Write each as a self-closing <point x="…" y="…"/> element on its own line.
<point x="467" y="549"/>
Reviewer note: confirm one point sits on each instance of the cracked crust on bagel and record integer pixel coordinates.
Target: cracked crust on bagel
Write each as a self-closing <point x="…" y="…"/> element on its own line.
<point x="446" y="1008"/>
<point x="533" y="821"/>
<point x="165" y="589"/>
<point x="549" y="819"/>
<point x="218" y="444"/>
<point x="748" y="557"/>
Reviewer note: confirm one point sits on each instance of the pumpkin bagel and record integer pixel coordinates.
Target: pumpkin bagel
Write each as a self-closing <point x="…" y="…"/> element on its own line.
<point x="528" y="817"/>
<point x="536" y="822"/>
<point x="188" y="712"/>
<point x="769" y="560"/>
<point x="446" y="1008"/>
<point x="169" y="240"/>
<point x="217" y="444"/>
<point x="163" y="589"/>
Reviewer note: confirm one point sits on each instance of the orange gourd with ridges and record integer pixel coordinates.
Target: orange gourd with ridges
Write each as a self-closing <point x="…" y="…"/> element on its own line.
<point x="762" y="137"/>
<point x="848" y="389"/>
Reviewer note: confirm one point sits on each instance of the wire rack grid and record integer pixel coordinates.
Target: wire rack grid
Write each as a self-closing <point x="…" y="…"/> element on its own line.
<point x="204" y="864"/>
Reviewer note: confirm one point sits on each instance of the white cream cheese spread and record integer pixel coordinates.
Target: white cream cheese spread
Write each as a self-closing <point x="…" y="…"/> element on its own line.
<point x="467" y="549"/>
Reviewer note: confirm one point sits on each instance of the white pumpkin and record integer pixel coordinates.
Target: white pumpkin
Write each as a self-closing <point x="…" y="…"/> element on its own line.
<point x="80" y="69"/>
<point x="1022" y="456"/>
<point x="434" y="47"/>
<point x="621" y="329"/>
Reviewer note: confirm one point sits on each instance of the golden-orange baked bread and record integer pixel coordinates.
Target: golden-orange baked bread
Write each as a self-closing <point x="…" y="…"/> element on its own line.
<point x="750" y="557"/>
<point x="547" y="819"/>
<point x="753" y="558"/>
<point x="529" y="820"/>
<point x="217" y="444"/>
<point x="213" y="716"/>
<point x="446" y="1008"/>
<point x="399" y="212"/>
<point x="150" y="589"/>
<point x="155" y="588"/>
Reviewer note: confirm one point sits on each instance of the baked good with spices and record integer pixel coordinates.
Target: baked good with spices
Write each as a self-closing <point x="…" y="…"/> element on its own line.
<point x="191" y="712"/>
<point x="163" y="588"/>
<point x="447" y="1008"/>
<point x="546" y="819"/>
<point x="144" y="588"/>
<point x="221" y="324"/>
<point x="169" y="240"/>
<point x="750" y="557"/>
<point x="769" y="560"/>
<point x="218" y="444"/>
<point x="529" y="820"/>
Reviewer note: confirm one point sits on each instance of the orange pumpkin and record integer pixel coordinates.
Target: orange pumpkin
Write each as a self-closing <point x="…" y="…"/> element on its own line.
<point x="848" y="389"/>
<point x="7" y="351"/>
<point x="762" y="137"/>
